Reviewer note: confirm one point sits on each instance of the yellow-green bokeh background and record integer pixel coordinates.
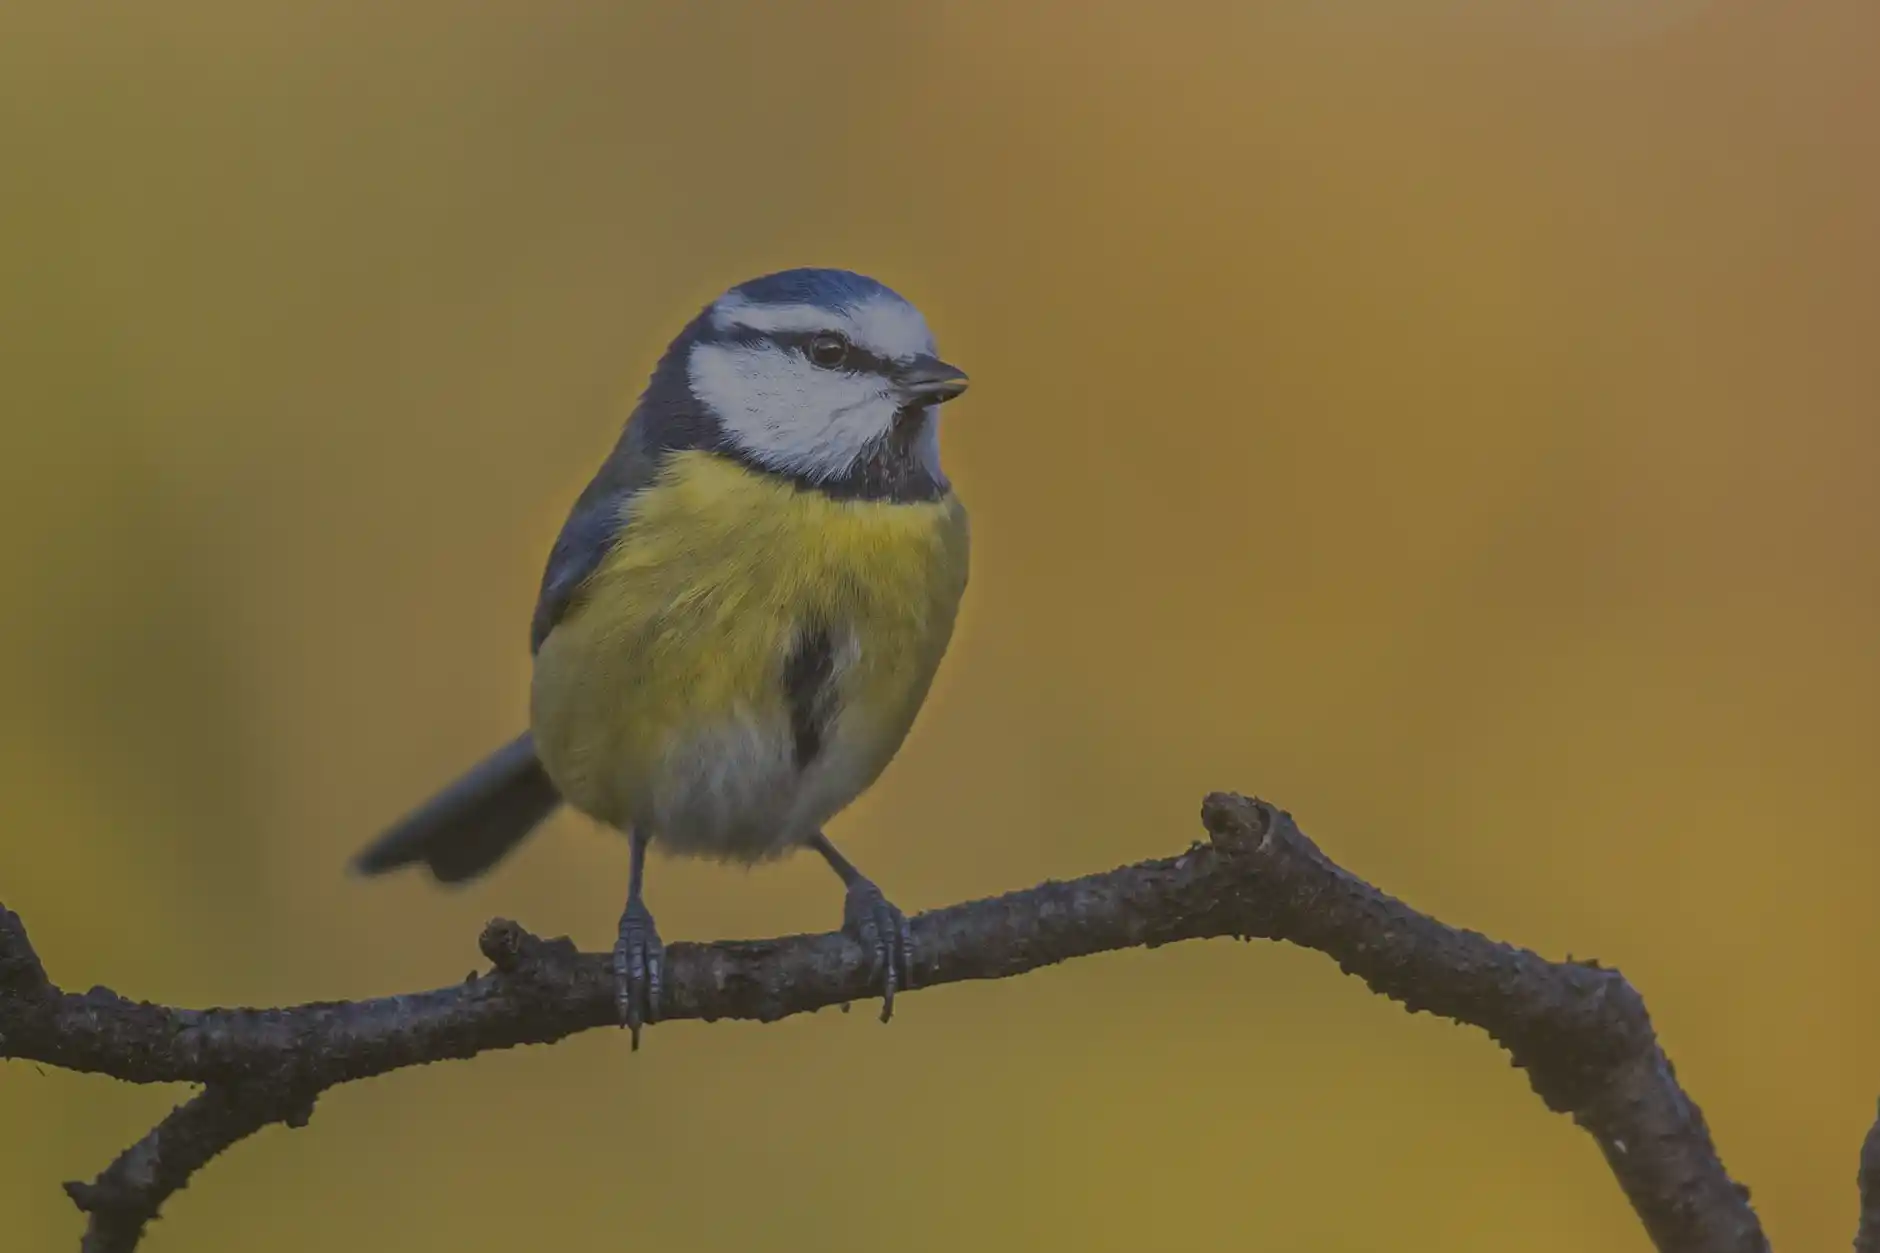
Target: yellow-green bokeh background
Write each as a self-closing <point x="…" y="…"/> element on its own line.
<point x="1461" y="427"/>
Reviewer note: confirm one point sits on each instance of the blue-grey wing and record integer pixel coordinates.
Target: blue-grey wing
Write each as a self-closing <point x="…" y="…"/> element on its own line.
<point x="594" y="524"/>
<point x="666" y="420"/>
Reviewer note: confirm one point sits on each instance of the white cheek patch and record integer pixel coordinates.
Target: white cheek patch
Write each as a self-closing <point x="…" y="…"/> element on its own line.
<point x="785" y="412"/>
<point x="885" y="325"/>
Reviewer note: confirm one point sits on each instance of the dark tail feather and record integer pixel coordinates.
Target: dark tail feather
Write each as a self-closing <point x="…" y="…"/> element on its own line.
<point x="466" y="828"/>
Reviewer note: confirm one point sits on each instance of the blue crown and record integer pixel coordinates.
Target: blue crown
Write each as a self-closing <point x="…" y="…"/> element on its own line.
<point x="828" y="289"/>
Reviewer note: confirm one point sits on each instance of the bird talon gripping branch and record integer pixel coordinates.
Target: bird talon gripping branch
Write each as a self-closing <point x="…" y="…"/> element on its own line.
<point x="882" y="931"/>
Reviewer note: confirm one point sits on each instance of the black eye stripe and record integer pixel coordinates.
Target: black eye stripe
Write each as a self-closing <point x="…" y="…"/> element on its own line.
<point x="859" y="361"/>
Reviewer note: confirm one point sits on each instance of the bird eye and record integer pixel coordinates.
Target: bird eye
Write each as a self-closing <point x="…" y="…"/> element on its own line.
<point x="829" y="350"/>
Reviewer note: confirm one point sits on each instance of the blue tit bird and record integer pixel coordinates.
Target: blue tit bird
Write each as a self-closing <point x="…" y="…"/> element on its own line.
<point x="742" y="614"/>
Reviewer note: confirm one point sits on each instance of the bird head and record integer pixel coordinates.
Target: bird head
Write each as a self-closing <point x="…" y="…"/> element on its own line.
<point x="817" y="374"/>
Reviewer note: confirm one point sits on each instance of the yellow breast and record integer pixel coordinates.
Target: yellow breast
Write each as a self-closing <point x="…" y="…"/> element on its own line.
<point x="659" y="698"/>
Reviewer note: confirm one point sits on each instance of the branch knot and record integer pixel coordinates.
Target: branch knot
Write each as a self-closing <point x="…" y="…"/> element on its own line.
<point x="1238" y="823"/>
<point x="513" y="950"/>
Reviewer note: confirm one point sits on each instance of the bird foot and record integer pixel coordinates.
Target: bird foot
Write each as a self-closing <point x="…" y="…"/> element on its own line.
<point x="639" y="968"/>
<point x="872" y="921"/>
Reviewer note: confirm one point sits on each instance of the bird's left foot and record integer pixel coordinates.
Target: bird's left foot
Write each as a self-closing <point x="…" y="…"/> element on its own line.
<point x="873" y="922"/>
<point x="639" y="969"/>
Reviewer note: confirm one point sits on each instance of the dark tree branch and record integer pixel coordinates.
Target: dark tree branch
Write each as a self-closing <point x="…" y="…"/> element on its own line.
<point x="1867" y="1238"/>
<point x="1579" y="1031"/>
<point x="127" y="1195"/>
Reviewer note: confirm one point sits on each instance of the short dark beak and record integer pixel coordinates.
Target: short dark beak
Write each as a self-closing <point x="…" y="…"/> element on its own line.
<point x="929" y="381"/>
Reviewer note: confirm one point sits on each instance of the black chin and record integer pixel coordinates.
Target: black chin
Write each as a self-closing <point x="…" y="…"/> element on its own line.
<point x="891" y="466"/>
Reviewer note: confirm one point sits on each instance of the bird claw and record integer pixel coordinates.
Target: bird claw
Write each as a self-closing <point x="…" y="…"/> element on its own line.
<point x="639" y="969"/>
<point x="872" y="921"/>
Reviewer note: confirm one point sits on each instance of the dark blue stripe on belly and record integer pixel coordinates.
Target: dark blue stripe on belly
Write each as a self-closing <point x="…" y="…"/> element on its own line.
<point x="809" y="689"/>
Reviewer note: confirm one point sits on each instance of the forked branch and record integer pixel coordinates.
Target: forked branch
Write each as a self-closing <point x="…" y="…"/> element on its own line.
<point x="1580" y="1031"/>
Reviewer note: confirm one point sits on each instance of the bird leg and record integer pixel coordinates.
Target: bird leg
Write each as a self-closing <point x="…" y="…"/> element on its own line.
<point x="639" y="956"/>
<point x="874" y="923"/>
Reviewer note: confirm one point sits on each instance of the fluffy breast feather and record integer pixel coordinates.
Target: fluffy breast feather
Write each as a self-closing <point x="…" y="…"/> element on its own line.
<point x="662" y="698"/>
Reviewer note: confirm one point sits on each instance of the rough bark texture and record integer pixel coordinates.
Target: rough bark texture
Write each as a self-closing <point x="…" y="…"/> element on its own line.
<point x="1867" y="1237"/>
<point x="1580" y="1031"/>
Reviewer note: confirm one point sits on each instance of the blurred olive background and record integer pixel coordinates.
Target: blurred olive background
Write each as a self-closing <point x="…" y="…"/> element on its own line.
<point x="1460" y="427"/>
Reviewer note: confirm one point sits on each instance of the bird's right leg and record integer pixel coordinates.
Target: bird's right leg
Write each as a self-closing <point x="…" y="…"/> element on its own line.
<point x="874" y="922"/>
<point x="639" y="957"/>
